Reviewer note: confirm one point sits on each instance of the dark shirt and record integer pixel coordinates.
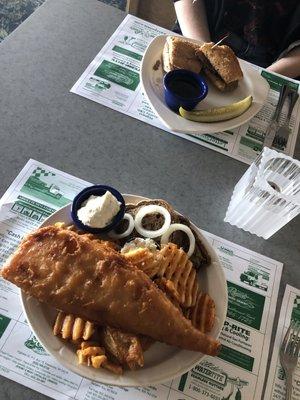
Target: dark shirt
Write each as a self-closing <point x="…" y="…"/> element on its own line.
<point x="259" y="29"/>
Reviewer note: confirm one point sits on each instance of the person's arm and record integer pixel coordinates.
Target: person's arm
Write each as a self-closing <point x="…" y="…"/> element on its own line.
<point x="192" y="19"/>
<point x="289" y="65"/>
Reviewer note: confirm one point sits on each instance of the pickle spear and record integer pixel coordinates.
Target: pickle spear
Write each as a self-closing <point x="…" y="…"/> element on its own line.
<point x="219" y="113"/>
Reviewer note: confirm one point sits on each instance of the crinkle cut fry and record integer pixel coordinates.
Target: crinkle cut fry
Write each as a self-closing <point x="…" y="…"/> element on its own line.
<point x="203" y="313"/>
<point x="71" y="327"/>
<point x="125" y="347"/>
<point x="178" y="280"/>
<point x="91" y="354"/>
<point x="172" y="264"/>
<point x="145" y="260"/>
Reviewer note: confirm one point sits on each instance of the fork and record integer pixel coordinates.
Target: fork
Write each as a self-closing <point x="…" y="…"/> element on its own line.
<point x="283" y="132"/>
<point x="274" y="123"/>
<point x="288" y="354"/>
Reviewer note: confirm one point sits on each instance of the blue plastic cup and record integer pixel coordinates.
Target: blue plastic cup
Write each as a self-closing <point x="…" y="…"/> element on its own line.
<point x="184" y="88"/>
<point x="96" y="190"/>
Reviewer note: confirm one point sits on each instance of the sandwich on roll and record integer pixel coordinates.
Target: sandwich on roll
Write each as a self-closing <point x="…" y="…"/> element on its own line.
<point x="180" y="53"/>
<point x="220" y="65"/>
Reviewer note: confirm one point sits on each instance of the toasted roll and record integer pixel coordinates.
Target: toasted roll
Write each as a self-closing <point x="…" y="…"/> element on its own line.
<point x="220" y="65"/>
<point x="179" y="53"/>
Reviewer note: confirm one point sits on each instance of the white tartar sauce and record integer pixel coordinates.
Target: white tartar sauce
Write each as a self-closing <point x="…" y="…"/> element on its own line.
<point x="99" y="211"/>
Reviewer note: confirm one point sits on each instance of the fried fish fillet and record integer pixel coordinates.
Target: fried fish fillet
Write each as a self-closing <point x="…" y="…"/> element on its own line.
<point x="125" y="347"/>
<point x="80" y="276"/>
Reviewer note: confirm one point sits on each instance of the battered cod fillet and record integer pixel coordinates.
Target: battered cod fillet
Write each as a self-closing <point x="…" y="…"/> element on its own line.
<point x="89" y="279"/>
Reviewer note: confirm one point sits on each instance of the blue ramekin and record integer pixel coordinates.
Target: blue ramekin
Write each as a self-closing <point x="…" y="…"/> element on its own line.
<point x="96" y="190"/>
<point x="173" y="100"/>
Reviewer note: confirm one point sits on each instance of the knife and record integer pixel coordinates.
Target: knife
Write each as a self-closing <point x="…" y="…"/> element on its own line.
<point x="274" y="124"/>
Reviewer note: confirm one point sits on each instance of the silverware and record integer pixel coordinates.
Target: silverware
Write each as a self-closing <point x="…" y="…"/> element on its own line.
<point x="283" y="132"/>
<point x="274" y="124"/>
<point x="288" y="354"/>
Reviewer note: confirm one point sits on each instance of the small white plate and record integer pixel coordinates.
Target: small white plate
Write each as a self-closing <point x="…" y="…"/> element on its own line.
<point x="162" y="362"/>
<point x="152" y="80"/>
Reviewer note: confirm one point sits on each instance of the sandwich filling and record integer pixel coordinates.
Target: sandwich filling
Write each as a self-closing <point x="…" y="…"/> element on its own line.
<point x="214" y="76"/>
<point x="220" y="65"/>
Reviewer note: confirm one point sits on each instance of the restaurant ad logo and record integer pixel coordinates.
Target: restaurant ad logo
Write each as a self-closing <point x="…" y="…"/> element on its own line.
<point x="207" y="377"/>
<point x="117" y="74"/>
<point x="255" y="278"/>
<point x="245" y="306"/>
<point x="33" y="344"/>
<point x="43" y="184"/>
<point x="134" y="42"/>
<point x="97" y="84"/>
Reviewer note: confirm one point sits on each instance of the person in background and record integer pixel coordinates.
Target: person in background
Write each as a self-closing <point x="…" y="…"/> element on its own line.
<point x="263" y="32"/>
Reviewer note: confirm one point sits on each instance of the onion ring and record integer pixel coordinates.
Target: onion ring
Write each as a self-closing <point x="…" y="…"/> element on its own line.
<point x="153" y="208"/>
<point x="128" y="231"/>
<point x="180" y="227"/>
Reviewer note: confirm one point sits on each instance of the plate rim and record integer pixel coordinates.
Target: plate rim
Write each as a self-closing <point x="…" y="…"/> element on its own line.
<point x="212" y="127"/>
<point x="25" y="300"/>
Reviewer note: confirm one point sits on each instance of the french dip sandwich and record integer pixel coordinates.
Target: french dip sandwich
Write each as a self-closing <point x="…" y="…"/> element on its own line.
<point x="220" y="65"/>
<point x="180" y="53"/>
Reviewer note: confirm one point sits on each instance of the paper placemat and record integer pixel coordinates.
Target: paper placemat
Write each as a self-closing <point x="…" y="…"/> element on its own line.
<point x="252" y="279"/>
<point x="112" y="79"/>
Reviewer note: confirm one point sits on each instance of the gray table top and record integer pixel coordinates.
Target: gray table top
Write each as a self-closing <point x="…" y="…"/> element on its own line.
<point x="40" y="119"/>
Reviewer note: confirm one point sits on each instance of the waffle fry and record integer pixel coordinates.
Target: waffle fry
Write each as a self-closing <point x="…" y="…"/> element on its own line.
<point x="203" y="313"/>
<point x="90" y="353"/>
<point x="93" y="355"/>
<point x="85" y="345"/>
<point x="145" y="260"/>
<point x="98" y="361"/>
<point x="172" y="264"/>
<point x="72" y="328"/>
<point x="93" y="351"/>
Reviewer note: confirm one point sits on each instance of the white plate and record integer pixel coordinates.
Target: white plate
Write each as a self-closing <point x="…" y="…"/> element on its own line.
<point x="252" y="84"/>
<point x="162" y="362"/>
